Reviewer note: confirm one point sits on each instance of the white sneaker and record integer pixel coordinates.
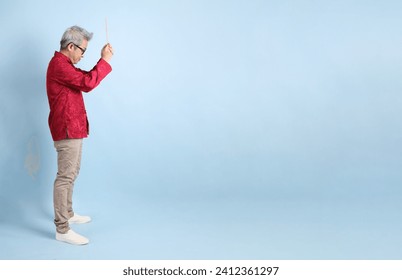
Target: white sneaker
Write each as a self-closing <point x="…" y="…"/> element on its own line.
<point x="77" y="219"/>
<point x="72" y="238"/>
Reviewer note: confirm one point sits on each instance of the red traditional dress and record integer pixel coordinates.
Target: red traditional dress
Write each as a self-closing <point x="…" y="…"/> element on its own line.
<point x="65" y="84"/>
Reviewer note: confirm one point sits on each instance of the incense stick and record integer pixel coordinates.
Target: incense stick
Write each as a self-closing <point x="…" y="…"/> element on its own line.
<point x="107" y="35"/>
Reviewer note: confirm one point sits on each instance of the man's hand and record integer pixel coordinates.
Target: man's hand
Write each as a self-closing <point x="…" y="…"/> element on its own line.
<point x="107" y="52"/>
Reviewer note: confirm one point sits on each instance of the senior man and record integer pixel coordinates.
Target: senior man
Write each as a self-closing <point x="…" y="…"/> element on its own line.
<point x="68" y="122"/>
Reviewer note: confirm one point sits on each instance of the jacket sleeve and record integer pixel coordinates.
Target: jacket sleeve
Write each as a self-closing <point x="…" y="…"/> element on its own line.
<point x="81" y="80"/>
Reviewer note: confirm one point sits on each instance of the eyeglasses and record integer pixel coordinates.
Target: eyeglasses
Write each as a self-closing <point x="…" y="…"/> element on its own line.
<point x="82" y="50"/>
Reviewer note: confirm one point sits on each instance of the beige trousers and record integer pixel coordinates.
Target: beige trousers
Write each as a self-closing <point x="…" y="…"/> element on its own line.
<point x="68" y="162"/>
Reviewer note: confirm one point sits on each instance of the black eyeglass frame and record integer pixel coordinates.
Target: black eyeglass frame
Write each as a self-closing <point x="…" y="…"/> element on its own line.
<point x="82" y="50"/>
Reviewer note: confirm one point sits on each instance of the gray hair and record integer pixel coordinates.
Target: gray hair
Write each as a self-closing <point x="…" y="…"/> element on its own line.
<point x="75" y="35"/>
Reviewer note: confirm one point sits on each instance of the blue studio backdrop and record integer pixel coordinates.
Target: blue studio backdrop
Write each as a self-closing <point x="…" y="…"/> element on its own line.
<point x="246" y="129"/>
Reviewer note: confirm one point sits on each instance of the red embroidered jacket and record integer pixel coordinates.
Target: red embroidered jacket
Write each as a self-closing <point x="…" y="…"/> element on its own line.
<point x="65" y="84"/>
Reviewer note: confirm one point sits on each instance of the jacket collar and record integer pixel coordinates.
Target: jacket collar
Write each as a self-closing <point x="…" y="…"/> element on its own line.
<point x="62" y="56"/>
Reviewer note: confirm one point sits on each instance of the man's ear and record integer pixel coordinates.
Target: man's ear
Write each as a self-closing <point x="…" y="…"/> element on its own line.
<point x="70" y="47"/>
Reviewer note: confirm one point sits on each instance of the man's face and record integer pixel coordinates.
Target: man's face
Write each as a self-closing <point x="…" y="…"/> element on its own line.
<point x="77" y="52"/>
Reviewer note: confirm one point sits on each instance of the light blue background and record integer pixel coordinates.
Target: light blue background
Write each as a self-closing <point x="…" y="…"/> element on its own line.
<point x="227" y="130"/>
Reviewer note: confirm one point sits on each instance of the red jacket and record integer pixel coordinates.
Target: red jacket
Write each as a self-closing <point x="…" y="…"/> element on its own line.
<point x="64" y="85"/>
